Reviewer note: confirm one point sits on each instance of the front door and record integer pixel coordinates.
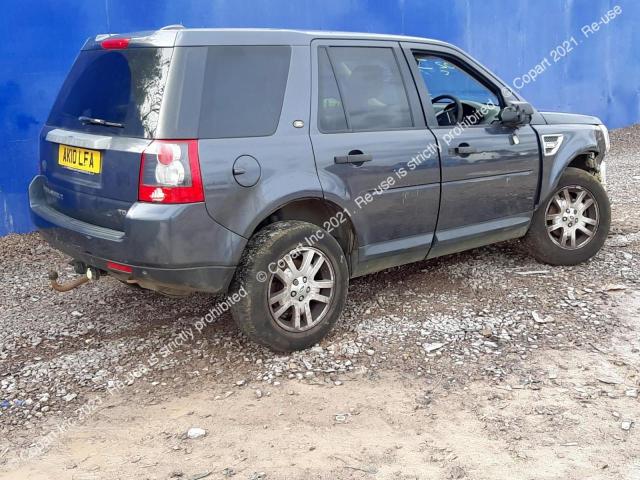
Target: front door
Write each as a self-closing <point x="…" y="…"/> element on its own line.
<point x="489" y="171"/>
<point x="374" y="154"/>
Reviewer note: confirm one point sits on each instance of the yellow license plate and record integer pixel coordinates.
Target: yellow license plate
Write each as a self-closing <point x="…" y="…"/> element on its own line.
<point x="89" y="161"/>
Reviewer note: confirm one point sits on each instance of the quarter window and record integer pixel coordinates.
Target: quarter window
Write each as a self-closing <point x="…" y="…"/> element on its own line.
<point x="371" y="88"/>
<point x="243" y="90"/>
<point x="331" y="116"/>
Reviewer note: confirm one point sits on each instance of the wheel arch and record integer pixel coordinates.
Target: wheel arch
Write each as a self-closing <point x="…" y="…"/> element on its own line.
<point x="318" y="211"/>
<point x="583" y="160"/>
<point x="581" y="148"/>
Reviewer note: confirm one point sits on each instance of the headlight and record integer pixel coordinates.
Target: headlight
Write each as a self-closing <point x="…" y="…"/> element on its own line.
<point x="605" y="134"/>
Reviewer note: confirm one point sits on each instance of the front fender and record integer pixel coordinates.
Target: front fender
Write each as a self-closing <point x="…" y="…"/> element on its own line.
<point x="577" y="140"/>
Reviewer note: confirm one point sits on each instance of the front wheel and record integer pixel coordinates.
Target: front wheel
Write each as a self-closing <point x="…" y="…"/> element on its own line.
<point x="573" y="224"/>
<point x="296" y="278"/>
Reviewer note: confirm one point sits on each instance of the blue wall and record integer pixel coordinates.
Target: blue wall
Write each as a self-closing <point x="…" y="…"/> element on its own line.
<point x="39" y="40"/>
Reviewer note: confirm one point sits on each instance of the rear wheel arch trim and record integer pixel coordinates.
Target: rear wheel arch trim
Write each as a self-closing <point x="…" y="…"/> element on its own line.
<point x="349" y="245"/>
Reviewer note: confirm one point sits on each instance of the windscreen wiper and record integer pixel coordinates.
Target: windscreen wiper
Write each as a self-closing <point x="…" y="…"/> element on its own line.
<point x="100" y="121"/>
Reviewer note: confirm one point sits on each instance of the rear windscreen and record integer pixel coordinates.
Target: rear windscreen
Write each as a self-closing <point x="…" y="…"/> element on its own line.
<point x="123" y="87"/>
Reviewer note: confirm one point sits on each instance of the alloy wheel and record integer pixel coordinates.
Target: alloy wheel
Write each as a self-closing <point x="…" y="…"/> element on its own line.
<point x="301" y="289"/>
<point x="572" y="217"/>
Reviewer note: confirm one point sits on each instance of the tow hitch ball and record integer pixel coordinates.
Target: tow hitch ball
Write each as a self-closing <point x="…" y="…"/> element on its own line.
<point x="91" y="275"/>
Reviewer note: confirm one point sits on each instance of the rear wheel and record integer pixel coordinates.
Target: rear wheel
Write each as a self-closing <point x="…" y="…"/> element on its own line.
<point x="295" y="288"/>
<point x="573" y="224"/>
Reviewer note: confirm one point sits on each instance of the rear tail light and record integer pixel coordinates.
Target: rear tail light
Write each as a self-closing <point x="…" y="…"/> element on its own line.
<point x="170" y="172"/>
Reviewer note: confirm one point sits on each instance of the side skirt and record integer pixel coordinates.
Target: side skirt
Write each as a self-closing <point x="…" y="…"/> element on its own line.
<point x="478" y="235"/>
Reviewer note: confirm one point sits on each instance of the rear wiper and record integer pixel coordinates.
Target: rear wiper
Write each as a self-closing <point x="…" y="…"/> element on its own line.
<point x="100" y="121"/>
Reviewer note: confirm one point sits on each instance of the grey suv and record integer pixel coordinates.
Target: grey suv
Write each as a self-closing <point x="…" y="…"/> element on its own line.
<point x="276" y="165"/>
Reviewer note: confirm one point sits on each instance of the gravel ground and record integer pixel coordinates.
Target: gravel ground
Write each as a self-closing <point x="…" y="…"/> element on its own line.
<point x="478" y="316"/>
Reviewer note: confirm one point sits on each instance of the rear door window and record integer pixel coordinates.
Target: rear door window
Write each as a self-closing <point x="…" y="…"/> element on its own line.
<point x="244" y="89"/>
<point x="372" y="88"/>
<point x="125" y="87"/>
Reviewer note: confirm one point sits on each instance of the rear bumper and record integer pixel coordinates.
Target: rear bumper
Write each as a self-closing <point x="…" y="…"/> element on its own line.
<point x="178" y="247"/>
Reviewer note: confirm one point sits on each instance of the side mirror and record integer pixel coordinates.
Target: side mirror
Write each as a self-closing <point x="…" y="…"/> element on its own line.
<point x="516" y="114"/>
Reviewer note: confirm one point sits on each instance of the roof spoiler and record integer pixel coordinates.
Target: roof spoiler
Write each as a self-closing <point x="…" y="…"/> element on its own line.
<point x="165" y="37"/>
<point x="175" y="26"/>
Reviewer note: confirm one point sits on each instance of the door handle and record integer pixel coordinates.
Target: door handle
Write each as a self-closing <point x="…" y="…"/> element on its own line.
<point x="463" y="149"/>
<point x="353" y="157"/>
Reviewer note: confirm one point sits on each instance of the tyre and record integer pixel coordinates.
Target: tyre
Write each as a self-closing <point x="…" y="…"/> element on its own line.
<point x="572" y="224"/>
<point x="295" y="276"/>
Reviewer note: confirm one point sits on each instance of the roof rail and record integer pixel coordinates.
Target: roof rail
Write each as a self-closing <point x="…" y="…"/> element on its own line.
<point x="175" y="26"/>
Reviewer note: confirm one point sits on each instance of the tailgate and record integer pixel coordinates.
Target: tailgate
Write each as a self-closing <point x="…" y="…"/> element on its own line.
<point x="90" y="177"/>
<point x="106" y="113"/>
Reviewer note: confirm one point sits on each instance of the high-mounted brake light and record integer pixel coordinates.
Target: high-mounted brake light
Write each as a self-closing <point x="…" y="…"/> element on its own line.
<point x="170" y="172"/>
<point x="115" y="43"/>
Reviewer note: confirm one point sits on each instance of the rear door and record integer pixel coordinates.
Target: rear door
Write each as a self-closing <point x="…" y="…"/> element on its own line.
<point x="105" y="115"/>
<point x="374" y="154"/>
<point x="489" y="171"/>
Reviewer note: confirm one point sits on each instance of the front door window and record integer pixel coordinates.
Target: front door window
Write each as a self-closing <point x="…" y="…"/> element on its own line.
<point x="455" y="94"/>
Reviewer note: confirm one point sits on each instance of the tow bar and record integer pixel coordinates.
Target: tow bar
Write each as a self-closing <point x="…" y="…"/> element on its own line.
<point x="92" y="274"/>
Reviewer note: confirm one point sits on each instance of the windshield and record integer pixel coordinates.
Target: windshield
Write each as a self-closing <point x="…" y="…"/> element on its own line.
<point x="122" y="88"/>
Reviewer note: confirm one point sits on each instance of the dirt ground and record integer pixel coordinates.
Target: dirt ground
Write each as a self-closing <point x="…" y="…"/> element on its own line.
<point x="391" y="426"/>
<point x="481" y="365"/>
